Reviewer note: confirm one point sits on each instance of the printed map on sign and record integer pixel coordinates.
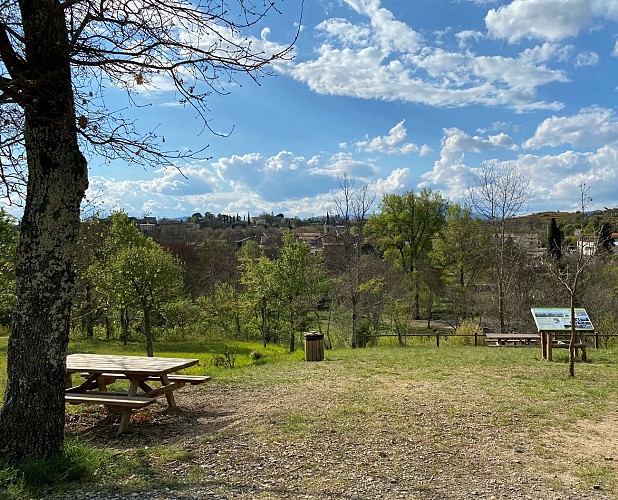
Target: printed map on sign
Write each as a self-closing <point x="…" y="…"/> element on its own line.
<point x="552" y="319"/>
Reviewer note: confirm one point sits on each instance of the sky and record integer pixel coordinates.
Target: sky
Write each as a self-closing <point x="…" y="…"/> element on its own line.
<point x="398" y="95"/>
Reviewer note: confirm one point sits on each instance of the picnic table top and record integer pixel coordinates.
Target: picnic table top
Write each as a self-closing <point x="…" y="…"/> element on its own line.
<point x="132" y="365"/>
<point x="512" y="335"/>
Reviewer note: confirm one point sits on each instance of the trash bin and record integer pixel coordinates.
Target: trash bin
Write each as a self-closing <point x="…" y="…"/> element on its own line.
<point x="314" y="346"/>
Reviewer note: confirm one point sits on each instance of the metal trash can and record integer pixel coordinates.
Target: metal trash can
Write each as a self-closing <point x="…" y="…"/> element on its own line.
<point x="314" y="346"/>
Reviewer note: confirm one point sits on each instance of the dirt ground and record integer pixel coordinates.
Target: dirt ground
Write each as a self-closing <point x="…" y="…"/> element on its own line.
<point x="399" y="440"/>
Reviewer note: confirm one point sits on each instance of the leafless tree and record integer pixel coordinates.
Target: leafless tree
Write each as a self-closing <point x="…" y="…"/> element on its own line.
<point x="570" y="272"/>
<point x="352" y="207"/>
<point x="499" y="193"/>
<point x="57" y="59"/>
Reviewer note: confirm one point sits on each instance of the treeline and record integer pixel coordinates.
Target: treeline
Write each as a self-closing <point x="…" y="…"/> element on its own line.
<point x="416" y="257"/>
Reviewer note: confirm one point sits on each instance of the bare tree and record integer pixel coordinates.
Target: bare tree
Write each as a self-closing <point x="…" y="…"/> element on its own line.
<point x="352" y="206"/>
<point x="499" y="193"/>
<point x="569" y="271"/>
<point x="56" y="60"/>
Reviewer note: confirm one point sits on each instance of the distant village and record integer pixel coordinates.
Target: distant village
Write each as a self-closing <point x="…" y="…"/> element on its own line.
<point x="320" y="232"/>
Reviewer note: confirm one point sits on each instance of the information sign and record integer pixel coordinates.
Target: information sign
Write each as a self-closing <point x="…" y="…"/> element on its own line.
<point x="554" y="319"/>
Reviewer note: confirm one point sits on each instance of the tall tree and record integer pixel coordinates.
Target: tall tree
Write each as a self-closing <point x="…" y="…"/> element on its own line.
<point x="298" y="280"/>
<point x="606" y="241"/>
<point x="353" y="205"/>
<point x="138" y="272"/>
<point x="404" y="229"/>
<point x="52" y="54"/>
<point x="460" y="252"/>
<point x="570" y="273"/>
<point x="554" y="239"/>
<point x="498" y="194"/>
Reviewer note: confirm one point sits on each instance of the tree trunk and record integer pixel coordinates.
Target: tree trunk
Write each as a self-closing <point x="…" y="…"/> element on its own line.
<point x="292" y="346"/>
<point x="32" y="417"/>
<point x="148" y="331"/>
<point x="89" y="314"/>
<point x="124" y="324"/>
<point x="354" y="320"/>
<point x="573" y="337"/>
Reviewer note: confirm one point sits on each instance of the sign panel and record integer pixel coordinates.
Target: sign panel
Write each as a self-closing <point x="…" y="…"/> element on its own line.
<point x="553" y="319"/>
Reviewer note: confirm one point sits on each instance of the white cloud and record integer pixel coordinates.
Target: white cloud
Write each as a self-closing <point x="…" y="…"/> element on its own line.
<point x="397" y="180"/>
<point x="615" y="51"/>
<point x="456" y="141"/>
<point x="368" y="61"/>
<point x="591" y="127"/>
<point x="587" y="59"/>
<point x="466" y="36"/>
<point x="393" y="143"/>
<point x="547" y="51"/>
<point x="284" y="161"/>
<point x="550" y="20"/>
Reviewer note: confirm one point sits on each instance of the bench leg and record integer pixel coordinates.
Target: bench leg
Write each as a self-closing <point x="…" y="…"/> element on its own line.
<point x="171" y="401"/>
<point x="125" y="420"/>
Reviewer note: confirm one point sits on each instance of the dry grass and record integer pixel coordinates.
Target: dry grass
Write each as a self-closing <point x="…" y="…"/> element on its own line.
<point x="416" y="422"/>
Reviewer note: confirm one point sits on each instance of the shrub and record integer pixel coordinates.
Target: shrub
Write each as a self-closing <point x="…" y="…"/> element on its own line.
<point x="466" y="329"/>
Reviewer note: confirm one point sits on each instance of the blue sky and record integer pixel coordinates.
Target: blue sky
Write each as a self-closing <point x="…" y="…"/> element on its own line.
<point x="400" y="95"/>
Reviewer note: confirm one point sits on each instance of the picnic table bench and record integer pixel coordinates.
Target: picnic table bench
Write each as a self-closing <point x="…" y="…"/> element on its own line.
<point x="99" y="371"/>
<point x="511" y="339"/>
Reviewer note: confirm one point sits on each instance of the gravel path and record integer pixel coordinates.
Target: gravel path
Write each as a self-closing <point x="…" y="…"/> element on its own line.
<point x="292" y="441"/>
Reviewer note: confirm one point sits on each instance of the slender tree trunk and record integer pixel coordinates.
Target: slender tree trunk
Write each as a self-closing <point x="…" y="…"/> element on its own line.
<point x="32" y="417"/>
<point x="573" y="337"/>
<point x="108" y="328"/>
<point x="89" y="314"/>
<point x="292" y="346"/>
<point x="148" y="331"/>
<point x="501" y="305"/>
<point x="354" y="321"/>
<point x="124" y="324"/>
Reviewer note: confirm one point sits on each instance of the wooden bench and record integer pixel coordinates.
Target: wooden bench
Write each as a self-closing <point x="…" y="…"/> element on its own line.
<point x="185" y="379"/>
<point x="109" y="399"/>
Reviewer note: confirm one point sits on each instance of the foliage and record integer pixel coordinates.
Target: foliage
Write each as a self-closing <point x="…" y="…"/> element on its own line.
<point x="299" y="282"/>
<point x="404" y="230"/>
<point x="8" y="245"/>
<point x="554" y="237"/>
<point x="467" y="330"/>
<point x="135" y="272"/>
<point x="460" y="252"/>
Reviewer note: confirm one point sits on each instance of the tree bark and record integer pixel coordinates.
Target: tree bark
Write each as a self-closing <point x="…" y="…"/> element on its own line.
<point x="32" y="417"/>
<point x="573" y="337"/>
<point x="148" y="331"/>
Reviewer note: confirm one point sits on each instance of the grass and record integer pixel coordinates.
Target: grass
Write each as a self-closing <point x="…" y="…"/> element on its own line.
<point x="512" y="390"/>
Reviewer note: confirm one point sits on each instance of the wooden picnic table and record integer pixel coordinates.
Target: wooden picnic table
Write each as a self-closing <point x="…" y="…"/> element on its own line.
<point x="100" y="370"/>
<point x="511" y="338"/>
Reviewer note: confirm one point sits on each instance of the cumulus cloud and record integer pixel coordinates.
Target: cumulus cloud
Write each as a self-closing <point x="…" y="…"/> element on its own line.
<point x="385" y="59"/>
<point x="591" y="127"/>
<point x="455" y="141"/>
<point x="550" y="20"/>
<point x="393" y="143"/>
<point x="398" y="180"/>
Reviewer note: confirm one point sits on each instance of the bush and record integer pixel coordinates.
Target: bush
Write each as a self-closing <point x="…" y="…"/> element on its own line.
<point x="467" y="329"/>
